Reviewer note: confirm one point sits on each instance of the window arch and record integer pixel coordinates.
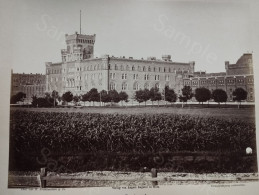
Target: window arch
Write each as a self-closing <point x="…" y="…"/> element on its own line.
<point x="157" y="85"/>
<point x="146" y="86"/>
<point x="136" y="86"/>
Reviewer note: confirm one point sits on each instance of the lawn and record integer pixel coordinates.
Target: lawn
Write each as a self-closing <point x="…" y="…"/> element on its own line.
<point x="246" y="114"/>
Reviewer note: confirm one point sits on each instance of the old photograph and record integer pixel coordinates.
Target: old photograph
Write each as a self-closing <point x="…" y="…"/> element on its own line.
<point x="134" y="94"/>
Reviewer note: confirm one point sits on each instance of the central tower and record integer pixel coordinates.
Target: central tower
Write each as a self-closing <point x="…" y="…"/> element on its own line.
<point x="79" y="47"/>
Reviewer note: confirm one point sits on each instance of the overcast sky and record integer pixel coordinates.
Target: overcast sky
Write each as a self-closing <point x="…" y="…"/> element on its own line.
<point x="206" y="32"/>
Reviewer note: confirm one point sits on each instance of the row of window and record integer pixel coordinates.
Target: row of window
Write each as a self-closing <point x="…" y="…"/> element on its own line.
<point x="85" y="41"/>
<point x="214" y="82"/>
<point x="136" y="86"/>
<point x="122" y="67"/>
<point x="136" y="76"/>
<point x="144" y="68"/>
<point x="53" y="71"/>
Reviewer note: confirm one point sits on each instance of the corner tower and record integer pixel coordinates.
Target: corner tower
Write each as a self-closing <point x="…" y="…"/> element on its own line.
<point x="79" y="47"/>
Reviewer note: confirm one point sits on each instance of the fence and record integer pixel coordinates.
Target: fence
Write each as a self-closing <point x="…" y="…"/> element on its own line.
<point x="44" y="178"/>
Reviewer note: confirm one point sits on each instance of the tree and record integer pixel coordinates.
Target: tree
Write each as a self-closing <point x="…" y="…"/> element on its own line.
<point x="170" y="95"/>
<point x="139" y="96"/>
<point x="55" y="96"/>
<point x="202" y="94"/>
<point x="93" y="95"/>
<point x="123" y="96"/>
<point x="20" y="96"/>
<point x="114" y="96"/>
<point x="34" y="102"/>
<point x="76" y="99"/>
<point x="104" y="96"/>
<point x="155" y="95"/>
<point x="219" y="95"/>
<point x="85" y="98"/>
<point x="67" y="97"/>
<point x="186" y="94"/>
<point x="239" y="94"/>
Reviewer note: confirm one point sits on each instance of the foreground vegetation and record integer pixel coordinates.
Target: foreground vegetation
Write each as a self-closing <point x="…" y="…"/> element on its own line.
<point x="117" y="134"/>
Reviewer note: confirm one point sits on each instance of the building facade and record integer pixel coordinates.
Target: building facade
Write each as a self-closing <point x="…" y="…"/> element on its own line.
<point x="238" y="75"/>
<point x="30" y="84"/>
<point x="79" y="71"/>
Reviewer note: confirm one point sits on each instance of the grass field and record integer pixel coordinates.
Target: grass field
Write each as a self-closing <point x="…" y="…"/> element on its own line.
<point x="246" y="114"/>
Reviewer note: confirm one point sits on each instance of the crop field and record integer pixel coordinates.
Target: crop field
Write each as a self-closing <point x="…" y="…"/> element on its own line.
<point x="111" y="141"/>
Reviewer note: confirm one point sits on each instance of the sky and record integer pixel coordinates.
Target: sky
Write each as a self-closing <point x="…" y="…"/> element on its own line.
<point x="207" y="32"/>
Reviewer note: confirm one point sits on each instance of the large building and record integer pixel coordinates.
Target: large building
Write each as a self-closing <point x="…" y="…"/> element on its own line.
<point x="30" y="84"/>
<point x="238" y="75"/>
<point x="80" y="71"/>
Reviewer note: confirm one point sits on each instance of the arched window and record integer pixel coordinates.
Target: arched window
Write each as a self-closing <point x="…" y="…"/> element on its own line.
<point x="149" y="69"/>
<point x="112" y="86"/>
<point x="115" y="67"/>
<point x="135" y="86"/>
<point x="122" y="67"/>
<point x="124" y="86"/>
<point x="98" y="67"/>
<point x="146" y="86"/>
<point x="133" y="68"/>
<point x="127" y="67"/>
<point x="95" y="67"/>
<point x="154" y="69"/>
<point x="144" y="68"/>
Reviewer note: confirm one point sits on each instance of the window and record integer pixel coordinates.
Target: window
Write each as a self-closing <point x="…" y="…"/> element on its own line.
<point x="124" y="86"/>
<point x="112" y="86"/>
<point x="124" y="76"/>
<point x="144" y="68"/>
<point x="146" y="86"/>
<point x="167" y="78"/>
<point x="133" y="68"/>
<point x="112" y="75"/>
<point x="149" y="69"/>
<point x="136" y="86"/>
<point x="116" y="67"/>
<point x="135" y="76"/>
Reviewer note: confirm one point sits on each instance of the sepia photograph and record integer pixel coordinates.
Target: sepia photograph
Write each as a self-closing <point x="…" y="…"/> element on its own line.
<point x="132" y="94"/>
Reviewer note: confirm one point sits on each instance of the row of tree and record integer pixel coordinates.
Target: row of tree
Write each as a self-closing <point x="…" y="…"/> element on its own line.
<point x="94" y="96"/>
<point x="142" y="95"/>
<point x="218" y="95"/>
